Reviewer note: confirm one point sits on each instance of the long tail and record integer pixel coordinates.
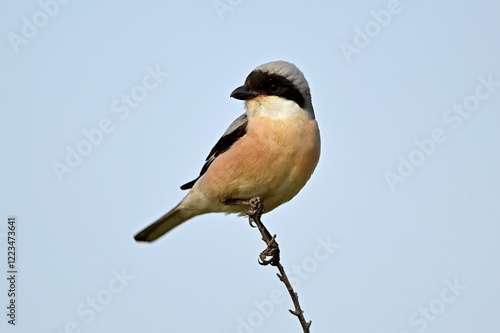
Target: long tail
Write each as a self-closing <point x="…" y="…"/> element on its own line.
<point x="163" y="225"/>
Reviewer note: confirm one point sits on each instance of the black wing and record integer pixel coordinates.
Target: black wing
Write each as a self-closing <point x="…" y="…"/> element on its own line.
<point x="235" y="131"/>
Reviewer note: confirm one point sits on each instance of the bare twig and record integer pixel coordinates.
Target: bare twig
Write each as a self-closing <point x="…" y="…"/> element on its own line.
<point x="272" y="252"/>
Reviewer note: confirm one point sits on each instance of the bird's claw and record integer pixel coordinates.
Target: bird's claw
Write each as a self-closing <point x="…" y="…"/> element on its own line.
<point x="272" y="252"/>
<point x="255" y="206"/>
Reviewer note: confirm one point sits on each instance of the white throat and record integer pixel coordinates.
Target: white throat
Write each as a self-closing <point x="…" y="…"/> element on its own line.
<point x="273" y="107"/>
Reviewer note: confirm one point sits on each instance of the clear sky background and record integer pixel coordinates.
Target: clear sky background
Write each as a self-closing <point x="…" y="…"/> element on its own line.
<point x="398" y="230"/>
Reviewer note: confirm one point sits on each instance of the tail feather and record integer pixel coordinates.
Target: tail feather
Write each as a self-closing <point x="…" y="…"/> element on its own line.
<point x="163" y="225"/>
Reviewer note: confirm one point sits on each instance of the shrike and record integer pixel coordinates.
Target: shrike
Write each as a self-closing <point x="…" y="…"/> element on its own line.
<point x="269" y="152"/>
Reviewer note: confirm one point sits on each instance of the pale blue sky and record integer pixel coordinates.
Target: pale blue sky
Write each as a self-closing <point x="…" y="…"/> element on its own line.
<point x="403" y="90"/>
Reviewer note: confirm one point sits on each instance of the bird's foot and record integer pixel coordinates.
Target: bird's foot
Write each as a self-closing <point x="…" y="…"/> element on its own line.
<point x="254" y="212"/>
<point x="255" y="208"/>
<point x="272" y="252"/>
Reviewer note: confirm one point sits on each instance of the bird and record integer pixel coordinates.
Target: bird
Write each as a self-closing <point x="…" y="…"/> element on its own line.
<point x="270" y="151"/>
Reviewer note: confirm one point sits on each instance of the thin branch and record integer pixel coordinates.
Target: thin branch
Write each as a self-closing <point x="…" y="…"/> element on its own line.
<point x="272" y="252"/>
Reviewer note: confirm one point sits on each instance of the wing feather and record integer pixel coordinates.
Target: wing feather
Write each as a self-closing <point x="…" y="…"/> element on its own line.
<point x="236" y="130"/>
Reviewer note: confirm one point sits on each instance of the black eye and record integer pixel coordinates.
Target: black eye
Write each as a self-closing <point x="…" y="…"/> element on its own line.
<point x="273" y="87"/>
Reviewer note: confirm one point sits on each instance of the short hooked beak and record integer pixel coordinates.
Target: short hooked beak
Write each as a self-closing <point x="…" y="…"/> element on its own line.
<point x="244" y="93"/>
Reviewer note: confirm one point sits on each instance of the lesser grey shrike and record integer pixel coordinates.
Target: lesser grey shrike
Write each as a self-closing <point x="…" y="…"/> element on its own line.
<point x="269" y="152"/>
